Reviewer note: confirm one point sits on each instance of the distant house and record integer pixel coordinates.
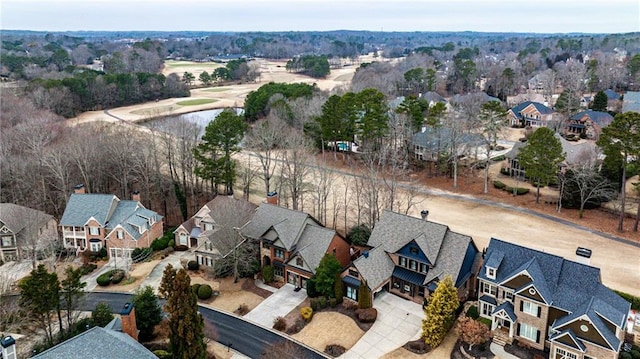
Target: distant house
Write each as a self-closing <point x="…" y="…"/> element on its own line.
<point x="529" y="113"/>
<point x="536" y="83"/>
<point x="589" y="122"/>
<point x="93" y="221"/>
<point x="432" y="98"/>
<point x="546" y="301"/>
<point x="202" y="232"/>
<point x="430" y="142"/>
<point x="24" y="230"/>
<point x="631" y="102"/>
<point x="293" y="242"/>
<point x="409" y="256"/>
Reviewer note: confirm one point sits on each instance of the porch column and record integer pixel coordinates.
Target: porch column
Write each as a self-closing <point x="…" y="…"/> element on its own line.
<point x="511" y="329"/>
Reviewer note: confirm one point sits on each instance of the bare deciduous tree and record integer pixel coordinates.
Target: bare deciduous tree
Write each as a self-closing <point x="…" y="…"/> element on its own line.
<point x="295" y="166"/>
<point x="263" y="139"/>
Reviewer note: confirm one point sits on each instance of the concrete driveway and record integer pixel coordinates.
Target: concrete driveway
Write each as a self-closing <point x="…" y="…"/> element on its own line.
<point x="278" y="304"/>
<point x="155" y="277"/>
<point x="398" y="322"/>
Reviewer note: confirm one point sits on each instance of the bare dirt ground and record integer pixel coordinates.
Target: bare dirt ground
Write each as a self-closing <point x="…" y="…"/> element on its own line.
<point x="330" y="328"/>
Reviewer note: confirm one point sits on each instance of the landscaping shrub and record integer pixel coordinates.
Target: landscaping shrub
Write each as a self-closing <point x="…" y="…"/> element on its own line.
<point x="519" y="191"/>
<point x="499" y="185"/>
<point x="635" y="301"/>
<point x="279" y="324"/>
<point x="504" y="171"/>
<point x="313" y="303"/>
<point x="194" y="288"/>
<point x="359" y="235"/>
<point x="87" y="268"/>
<point x="333" y="302"/>
<point x="242" y="309"/>
<point x="322" y="302"/>
<point x="635" y="354"/>
<point x="104" y="279"/>
<point x="267" y="274"/>
<point x="205" y="292"/>
<point x="499" y="158"/>
<point x="485" y="321"/>
<point x="192" y="265"/>
<point x="102" y="253"/>
<point x="117" y="276"/>
<point x="625" y="355"/>
<point x="311" y="288"/>
<point x="368" y="315"/>
<point x="161" y="243"/>
<point x="306" y="313"/>
<point x="162" y="354"/>
<point x="334" y="350"/>
<point x="171" y="243"/>
<point x="472" y="312"/>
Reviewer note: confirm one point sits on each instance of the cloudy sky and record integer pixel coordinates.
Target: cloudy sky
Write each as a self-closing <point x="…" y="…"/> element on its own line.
<point x="601" y="16"/>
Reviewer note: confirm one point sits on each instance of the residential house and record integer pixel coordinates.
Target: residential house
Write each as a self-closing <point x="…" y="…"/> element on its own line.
<point x="613" y="100"/>
<point x="203" y="233"/>
<point x="589" y="123"/>
<point x="536" y="83"/>
<point x="546" y="301"/>
<point x="432" y="98"/>
<point x="293" y="242"/>
<point x="575" y="153"/>
<point x="409" y="256"/>
<point x="93" y="221"/>
<point x="529" y="113"/>
<point x="117" y="340"/>
<point x="431" y="142"/>
<point x="25" y="232"/>
<point x="631" y="102"/>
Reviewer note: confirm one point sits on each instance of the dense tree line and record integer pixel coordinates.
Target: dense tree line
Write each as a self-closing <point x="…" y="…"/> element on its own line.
<point x="311" y="65"/>
<point x="257" y="104"/>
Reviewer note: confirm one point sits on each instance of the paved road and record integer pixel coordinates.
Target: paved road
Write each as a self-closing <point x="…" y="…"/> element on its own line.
<point x="243" y="336"/>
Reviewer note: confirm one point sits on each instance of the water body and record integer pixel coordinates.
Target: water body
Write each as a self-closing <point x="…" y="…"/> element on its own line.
<point x="175" y="124"/>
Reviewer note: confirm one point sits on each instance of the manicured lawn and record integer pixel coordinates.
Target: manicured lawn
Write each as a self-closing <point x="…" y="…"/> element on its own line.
<point x="217" y="89"/>
<point x="198" y="101"/>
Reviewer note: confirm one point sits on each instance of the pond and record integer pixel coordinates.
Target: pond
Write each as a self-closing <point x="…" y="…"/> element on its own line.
<point x="176" y="124"/>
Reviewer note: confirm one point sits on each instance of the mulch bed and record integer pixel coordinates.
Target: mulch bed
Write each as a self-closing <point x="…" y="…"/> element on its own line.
<point x="476" y="351"/>
<point x="525" y="351"/>
<point x="417" y="346"/>
<point x="348" y="310"/>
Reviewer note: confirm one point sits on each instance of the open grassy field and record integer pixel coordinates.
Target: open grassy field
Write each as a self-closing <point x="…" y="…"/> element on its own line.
<point x="197" y="101"/>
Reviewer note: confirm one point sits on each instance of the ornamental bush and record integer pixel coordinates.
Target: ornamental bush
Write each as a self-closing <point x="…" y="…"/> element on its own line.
<point x="117" y="275"/>
<point x="204" y="292"/>
<point x="104" y="279"/>
<point x="194" y="288"/>
<point x="499" y="185"/>
<point x="192" y="265"/>
<point x="306" y="313"/>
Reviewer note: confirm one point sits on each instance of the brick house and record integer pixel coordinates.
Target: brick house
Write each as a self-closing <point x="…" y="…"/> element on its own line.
<point x="23" y="230"/>
<point x="293" y="242"/>
<point x="546" y="301"/>
<point x="204" y="232"/>
<point x="590" y="123"/>
<point x="529" y="113"/>
<point x="409" y="256"/>
<point x="93" y="221"/>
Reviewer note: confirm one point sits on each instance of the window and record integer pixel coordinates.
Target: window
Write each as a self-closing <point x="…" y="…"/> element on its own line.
<point x="413" y="265"/>
<point x="183" y="239"/>
<point x="95" y="246"/>
<point x="491" y="273"/>
<point x="298" y="261"/>
<point x="353" y="273"/>
<point x="94" y="231"/>
<point x="508" y="296"/>
<point x="403" y="261"/>
<point x="530" y="308"/>
<point x="423" y="268"/>
<point x="120" y="234"/>
<point x="7" y="241"/>
<point x="486" y="309"/>
<point x="278" y="271"/>
<point x="529" y="332"/>
<point x="279" y="253"/>
<point x="489" y="289"/>
<point x="563" y="354"/>
<point x="352" y="293"/>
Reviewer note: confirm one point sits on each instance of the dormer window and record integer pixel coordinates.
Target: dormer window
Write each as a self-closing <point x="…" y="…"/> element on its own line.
<point x="491" y="273"/>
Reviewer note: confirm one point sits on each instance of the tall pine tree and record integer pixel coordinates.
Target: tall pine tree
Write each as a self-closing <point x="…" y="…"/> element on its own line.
<point x="440" y="312"/>
<point x="186" y="325"/>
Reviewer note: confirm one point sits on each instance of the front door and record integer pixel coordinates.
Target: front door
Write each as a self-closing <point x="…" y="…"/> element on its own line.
<point x="293" y="278"/>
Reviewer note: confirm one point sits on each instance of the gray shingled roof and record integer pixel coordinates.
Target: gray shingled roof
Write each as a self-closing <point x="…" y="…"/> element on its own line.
<point x="98" y="343"/>
<point x="81" y="207"/>
<point x="631" y="102"/>
<point x="602" y="119"/>
<point x="313" y="244"/>
<point x="376" y="267"/>
<point x="16" y="217"/>
<point x="567" y="285"/>
<point x="450" y="258"/>
<point x="286" y="222"/>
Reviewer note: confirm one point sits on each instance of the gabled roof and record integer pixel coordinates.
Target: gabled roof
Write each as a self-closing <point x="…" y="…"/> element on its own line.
<point x="455" y="259"/>
<point x="611" y="95"/>
<point x="313" y="244"/>
<point x="287" y="223"/>
<point x="375" y="267"/>
<point x="577" y="343"/>
<point x="96" y="343"/>
<point x="432" y="139"/>
<point x="631" y="102"/>
<point x="507" y="308"/>
<point x="542" y="109"/>
<point x="602" y="119"/>
<point x="570" y="286"/>
<point x="81" y="207"/>
<point x="431" y="96"/>
<point x="16" y="217"/>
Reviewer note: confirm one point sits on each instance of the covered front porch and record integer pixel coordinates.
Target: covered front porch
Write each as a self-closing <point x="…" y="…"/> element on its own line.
<point x="503" y="321"/>
<point x="408" y="284"/>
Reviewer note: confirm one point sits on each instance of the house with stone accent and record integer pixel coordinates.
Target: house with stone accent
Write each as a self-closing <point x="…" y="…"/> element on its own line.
<point x="94" y="221"/>
<point x="293" y="242"/>
<point x="25" y="232"/>
<point x="206" y="233"/>
<point x="408" y="256"/>
<point x="529" y="113"/>
<point x="545" y="301"/>
<point x="589" y="123"/>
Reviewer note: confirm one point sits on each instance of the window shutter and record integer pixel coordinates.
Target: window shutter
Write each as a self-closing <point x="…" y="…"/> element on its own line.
<point x="537" y="336"/>
<point x="521" y="306"/>
<point x="539" y="311"/>
<point x="518" y="332"/>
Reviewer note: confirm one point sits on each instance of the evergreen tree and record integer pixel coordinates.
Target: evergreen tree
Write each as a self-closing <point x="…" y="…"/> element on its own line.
<point x="364" y="296"/>
<point x="326" y="273"/>
<point x="39" y="296"/>
<point x="72" y="292"/>
<point x="148" y="311"/>
<point x="339" y="291"/>
<point x="186" y="325"/>
<point x="540" y="158"/>
<point x="101" y="314"/>
<point x="600" y="102"/>
<point x="440" y="312"/>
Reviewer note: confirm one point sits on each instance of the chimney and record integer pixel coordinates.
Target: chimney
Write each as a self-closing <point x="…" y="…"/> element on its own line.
<point x="128" y="318"/>
<point x="424" y="214"/>
<point x="135" y="196"/>
<point x="8" y="347"/>
<point x="583" y="255"/>
<point x="272" y="198"/>
<point x="79" y="189"/>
